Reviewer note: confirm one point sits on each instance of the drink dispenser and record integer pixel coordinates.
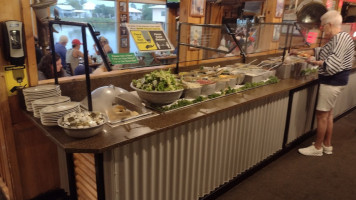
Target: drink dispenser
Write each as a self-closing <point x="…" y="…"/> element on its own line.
<point x="13" y="37"/>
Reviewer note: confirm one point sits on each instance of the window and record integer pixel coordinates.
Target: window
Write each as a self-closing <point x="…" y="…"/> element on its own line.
<point x="99" y="13"/>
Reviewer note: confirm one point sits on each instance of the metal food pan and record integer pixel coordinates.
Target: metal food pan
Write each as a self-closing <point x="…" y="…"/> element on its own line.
<point x="142" y="110"/>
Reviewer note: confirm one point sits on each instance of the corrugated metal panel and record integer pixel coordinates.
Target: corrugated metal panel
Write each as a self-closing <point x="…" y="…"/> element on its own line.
<point x="192" y="160"/>
<point x="302" y="112"/>
<point x="347" y="98"/>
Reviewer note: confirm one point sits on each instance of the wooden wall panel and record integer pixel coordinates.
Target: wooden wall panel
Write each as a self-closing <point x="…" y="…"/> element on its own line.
<point x="9" y="164"/>
<point x="172" y="25"/>
<point x="266" y="34"/>
<point x="185" y="53"/>
<point x="37" y="158"/>
<point x="32" y="157"/>
<point x="30" y="43"/>
<point x="215" y="14"/>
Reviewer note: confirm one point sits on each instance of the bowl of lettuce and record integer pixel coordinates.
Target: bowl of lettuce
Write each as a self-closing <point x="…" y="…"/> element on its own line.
<point x="159" y="87"/>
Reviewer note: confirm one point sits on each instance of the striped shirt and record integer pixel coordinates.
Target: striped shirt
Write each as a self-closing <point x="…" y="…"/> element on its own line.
<point x="338" y="55"/>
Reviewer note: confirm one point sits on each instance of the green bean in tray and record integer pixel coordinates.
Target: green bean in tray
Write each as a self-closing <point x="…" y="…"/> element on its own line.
<point x="158" y="80"/>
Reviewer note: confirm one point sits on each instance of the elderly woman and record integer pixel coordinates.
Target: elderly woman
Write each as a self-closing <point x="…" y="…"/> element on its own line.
<point x="45" y="67"/>
<point x="104" y="44"/>
<point x="335" y="60"/>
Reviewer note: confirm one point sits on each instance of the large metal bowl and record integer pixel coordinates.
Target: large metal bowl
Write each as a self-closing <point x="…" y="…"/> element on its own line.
<point x="158" y="97"/>
<point x="82" y="132"/>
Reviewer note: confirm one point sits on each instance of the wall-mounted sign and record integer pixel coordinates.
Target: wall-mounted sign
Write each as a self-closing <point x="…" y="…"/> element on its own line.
<point x="123" y="58"/>
<point x="150" y="37"/>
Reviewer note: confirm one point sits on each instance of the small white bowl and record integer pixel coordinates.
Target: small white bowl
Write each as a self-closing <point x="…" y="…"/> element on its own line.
<point x="192" y="93"/>
<point x="208" y="89"/>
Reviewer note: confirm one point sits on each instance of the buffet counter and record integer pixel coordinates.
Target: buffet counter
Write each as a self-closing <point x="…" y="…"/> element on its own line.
<point x="120" y="135"/>
<point x="190" y="152"/>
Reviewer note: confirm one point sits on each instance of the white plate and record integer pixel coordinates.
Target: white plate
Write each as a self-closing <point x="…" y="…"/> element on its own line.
<point x="59" y="107"/>
<point x="49" y="124"/>
<point x="50" y="116"/>
<point x="54" y="115"/>
<point x="42" y="93"/>
<point x="37" y="108"/>
<point x="40" y="88"/>
<point x="50" y="100"/>
<point x="42" y="96"/>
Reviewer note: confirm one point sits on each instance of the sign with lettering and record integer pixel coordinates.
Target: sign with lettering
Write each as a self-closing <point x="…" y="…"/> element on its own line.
<point x="150" y="37"/>
<point x="122" y="58"/>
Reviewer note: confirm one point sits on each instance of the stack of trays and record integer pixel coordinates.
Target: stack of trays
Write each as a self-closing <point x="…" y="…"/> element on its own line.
<point x="38" y="104"/>
<point x="40" y="92"/>
<point x="51" y="114"/>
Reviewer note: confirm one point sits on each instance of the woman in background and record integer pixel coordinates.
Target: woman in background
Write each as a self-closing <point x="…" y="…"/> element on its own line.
<point x="104" y="43"/>
<point x="45" y="67"/>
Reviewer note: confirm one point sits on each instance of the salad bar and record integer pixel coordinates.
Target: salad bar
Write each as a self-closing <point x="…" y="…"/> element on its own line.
<point x="163" y="91"/>
<point x="205" y="128"/>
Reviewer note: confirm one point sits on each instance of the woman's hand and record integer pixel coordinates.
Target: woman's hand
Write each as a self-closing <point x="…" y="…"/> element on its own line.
<point x="311" y="60"/>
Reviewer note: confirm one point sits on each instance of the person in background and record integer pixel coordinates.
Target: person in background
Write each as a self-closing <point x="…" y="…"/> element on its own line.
<point x="81" y="70"/>
<point x="39" y="53"/>
<point x="335" y="60"/>
<point x="45" y="67"/>
<point x="60" y="48"/>
<point x="73" y="55"/>
<point x="104" y="44"/>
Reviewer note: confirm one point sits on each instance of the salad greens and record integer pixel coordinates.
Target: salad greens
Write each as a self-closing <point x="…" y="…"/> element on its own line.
<point x="308" y="71"/>
<point x="229" y="90"/>
<point x="158" y="80"/>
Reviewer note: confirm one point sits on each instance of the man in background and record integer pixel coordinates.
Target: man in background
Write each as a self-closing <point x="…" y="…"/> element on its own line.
<point x="60" y="48"/>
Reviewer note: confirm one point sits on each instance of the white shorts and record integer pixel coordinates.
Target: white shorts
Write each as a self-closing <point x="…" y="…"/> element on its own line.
<point x="327" y="96"/>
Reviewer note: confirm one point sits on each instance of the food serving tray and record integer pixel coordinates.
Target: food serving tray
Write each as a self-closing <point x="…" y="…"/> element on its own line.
<point x="142" y="111"/>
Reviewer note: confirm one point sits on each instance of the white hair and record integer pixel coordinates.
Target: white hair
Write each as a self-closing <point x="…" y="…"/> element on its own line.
<point x="63" y="39"/>
<point x="333" y="17"/>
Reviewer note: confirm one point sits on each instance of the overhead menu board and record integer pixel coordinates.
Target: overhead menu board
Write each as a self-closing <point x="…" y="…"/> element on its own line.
<point x="150" y="37"/>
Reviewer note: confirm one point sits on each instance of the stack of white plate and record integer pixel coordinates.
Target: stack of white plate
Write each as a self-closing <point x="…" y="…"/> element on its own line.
<point x="40" y="92"/>
<point x="38" y="104"/>
<point x="51" y="114"/>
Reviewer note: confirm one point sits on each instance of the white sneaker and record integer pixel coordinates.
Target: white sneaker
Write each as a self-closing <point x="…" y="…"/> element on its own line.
<point x="327" y="150"/>
<point x="311" y="151"/>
